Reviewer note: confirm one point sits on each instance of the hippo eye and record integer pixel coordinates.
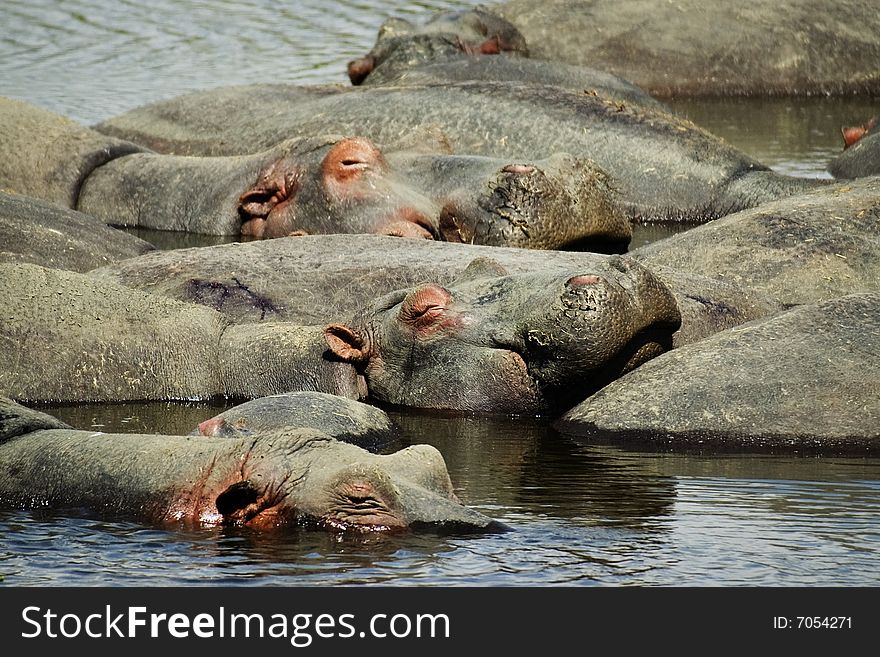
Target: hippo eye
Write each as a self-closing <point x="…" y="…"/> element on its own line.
<point x="354" y="163"/>
<point x="425" y="305"/>
<point x="422" y="315"/>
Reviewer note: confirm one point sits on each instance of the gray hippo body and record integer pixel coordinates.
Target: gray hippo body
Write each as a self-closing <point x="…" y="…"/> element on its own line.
<point x="665" y="168"/>
<point x="308" y="279"/>
<point x="264" y="482"/>
<point x="68" y="337"/>
<point x="317" y="185"/>
<point x="697" y="47"/>
<point x="490" y="342"/>
<point x="44" y="233"/>
<point x="344" y="419"/>
<point x="806" y="380"/>
<point x="804" y="249"/>
<point x="404" y="69"/>
<point x="859" y="160"/>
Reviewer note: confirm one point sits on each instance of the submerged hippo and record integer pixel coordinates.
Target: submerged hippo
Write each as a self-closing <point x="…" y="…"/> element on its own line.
<point x="473" y="32"/>
<point x="805" y="380"/>
<point x="265" y="481"/>
<point x="344" y="419"/>
<point x="711" y="47"/>
<point x="862" y="154"/>
<point x="664" y="167"/>
<point x="326" y="184"/>
<point x="525" y="343"/>
<point x="44" y="233"/>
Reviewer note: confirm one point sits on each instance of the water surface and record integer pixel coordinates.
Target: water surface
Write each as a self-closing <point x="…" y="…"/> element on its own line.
<point x="580" y="513"/>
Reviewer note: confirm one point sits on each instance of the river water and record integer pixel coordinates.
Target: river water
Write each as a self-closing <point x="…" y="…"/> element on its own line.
<point x="580" y="513"/>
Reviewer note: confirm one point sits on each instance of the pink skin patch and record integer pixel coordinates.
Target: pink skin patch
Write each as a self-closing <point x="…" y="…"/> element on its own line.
<point x="586" y="279"/>
<point x="407" y="222"/>
<point x="346" y="165"/>
<point x="852" y="134"/>
<point x="519" y="168"/>
<point x="212" y="427"/>
<point x="427" y="311"/>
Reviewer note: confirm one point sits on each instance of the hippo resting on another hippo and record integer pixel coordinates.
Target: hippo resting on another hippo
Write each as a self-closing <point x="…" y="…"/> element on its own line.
<point x="43" y="233"/>
<point x="526" y="343"/>
<point x="665" y="168"/>
<point x="310" y="279"/>
<point x="266" y="481"/>
<point x="325" y="184"/>
<point x="711" y="47"/>
<point x="862" y="154"/>
<point x="808" y="379"/>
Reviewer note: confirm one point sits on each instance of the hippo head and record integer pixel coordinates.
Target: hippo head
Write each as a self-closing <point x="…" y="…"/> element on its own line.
<point x="307" y="478"/>
<point x="526" y="343"/>
<point x="333" y="185"/>
<point x="556" y="203"/>
<point x="472" y="32"/>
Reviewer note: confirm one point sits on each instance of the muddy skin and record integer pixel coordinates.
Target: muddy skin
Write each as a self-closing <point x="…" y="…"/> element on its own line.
<point x="807" y="380"/>
<point x="312" y="278"/>
<point x="405" y="68"/>
<point x="804" y="249"/>
<point x="713" y="48"/>
<point x="44" y="233"/>
<point x="343" y="419"/>
<point x="526" y="343"/>
<point x="664" y="167"/>
<point x="559" y="202"/>
<point x="264" y="482"/>
<point x="860" y="159"/>
<point x="473" y="32"/>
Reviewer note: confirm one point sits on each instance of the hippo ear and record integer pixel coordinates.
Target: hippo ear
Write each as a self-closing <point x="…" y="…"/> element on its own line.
<point x="346" y="344"/>
<point x="482" y="267"/>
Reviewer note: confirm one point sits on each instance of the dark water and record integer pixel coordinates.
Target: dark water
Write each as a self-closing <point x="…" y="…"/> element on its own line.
<point x="581" y="514"/>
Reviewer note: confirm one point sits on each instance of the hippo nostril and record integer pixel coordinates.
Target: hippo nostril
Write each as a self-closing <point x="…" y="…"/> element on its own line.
<point x="519" y="168"/>
<point x="585" y="279"/>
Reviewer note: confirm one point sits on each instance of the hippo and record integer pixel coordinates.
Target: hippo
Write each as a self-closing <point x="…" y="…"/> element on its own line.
<point x="308" y="279"/>
<point x="344" y="419"/>
<point x="807" y="379"/>
<point x="472" y="31"/>
<point x="520" y="343"/>
<point x="44" y="233"/>
<point x="264" y="482"/>
<point x="665" y="168"/>
<point x="803" y="249"/>
<point x="333" y="184"/>
<point x="861" y="156"/>
<point x="418" y="63"/>
<point x="558" y="202"/>
<point x="711" y="48"/>
<point x="67" y="337"/>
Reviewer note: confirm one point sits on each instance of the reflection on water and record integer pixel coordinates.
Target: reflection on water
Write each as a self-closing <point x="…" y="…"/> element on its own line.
<point x="797" y="137"/>
<point x="581" y="513"/>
